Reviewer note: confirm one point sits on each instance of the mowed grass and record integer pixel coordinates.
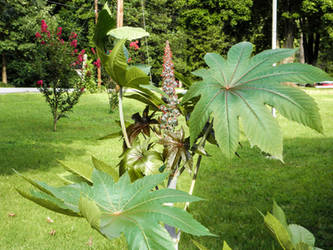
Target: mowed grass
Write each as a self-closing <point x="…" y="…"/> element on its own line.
<point x="234" y="190"/>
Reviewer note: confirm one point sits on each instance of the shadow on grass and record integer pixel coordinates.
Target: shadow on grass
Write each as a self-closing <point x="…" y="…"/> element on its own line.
<point x="303" y="186"/>
<point x="28" y="142"/>
<point x="23" y="156"/>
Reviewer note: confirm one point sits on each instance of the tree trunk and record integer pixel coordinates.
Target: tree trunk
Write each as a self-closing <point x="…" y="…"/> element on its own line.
<point x="99" y="72"/>
<point x="311" y="44"/>
<point x="316" y="49"/>
<point x="4" y="68"/>
<point x="120" y="13"/>
<point x="55" y="119"/>
<point x="289" y="39"/>
<point x="301" y="49"/>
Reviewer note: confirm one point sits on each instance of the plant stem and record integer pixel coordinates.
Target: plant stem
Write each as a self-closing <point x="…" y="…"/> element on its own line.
<point x="196" y="170"/>
<point x="172" y="184"/>
<point x="121" y="117"/>
<point x="194" y="178"/>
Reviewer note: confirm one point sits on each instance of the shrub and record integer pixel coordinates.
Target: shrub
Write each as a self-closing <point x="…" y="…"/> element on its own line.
<point x="60" y="68"/>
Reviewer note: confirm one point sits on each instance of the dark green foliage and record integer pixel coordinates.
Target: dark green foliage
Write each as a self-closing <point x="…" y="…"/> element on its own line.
<point x="19" y="20"/>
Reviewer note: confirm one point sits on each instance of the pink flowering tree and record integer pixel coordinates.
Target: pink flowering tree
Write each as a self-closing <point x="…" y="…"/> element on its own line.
<point x="61" y="70"/>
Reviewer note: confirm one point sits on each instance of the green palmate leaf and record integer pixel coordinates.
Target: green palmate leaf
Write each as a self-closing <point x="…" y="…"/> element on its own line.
<point x="90" y="211"/>
<point x="70" y="178"/>
<point x="59" y="199"/>
<point x="144" y="67"/>
<point x="111" y="136"/>
<point x="81" y="170"/>
<point x="145" y="99"/>
<point x="300" y="234"/>
<point x="186" y="81"/>
<point x="279" y="231"/>
<point x="48" y="202"/>
<point x="303" y="246"/>
<point x="36" y="184"/>
<point x="155" y="89"/>
<point x="136" y="211"/>
<point x="102" y="166"/>
<point x="145" y="90"/>
<point x="117" y="63"/>
<point x="135" y="77"/>
<point x="226" y="246"/>
<point x="129" y="33"/>
<point x="199" y="246"/>
<point x="279" y="214"/>
<point x="105" y="23"/>
<point x="240" y="88"/>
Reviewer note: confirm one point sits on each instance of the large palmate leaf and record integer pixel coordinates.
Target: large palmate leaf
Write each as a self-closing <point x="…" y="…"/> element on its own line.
<point x="129" y="33"/>
<point x="241" y="87"/>
<point x="115" y="63"/>
<point x="63" y="200"/>
<point x="113" y="208"/>
<point x="135" y="210"/>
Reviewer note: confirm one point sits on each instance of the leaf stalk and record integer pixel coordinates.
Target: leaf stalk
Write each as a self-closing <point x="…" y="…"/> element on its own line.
<point x="121" y="117"/>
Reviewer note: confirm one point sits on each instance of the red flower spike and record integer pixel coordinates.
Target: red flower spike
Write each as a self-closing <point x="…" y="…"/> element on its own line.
<point x="38" y="35"/>
<point x="93" y="51"/>
<point x="170" y="111"/>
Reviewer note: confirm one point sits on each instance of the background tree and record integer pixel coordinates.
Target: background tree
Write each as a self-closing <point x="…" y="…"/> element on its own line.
<point x="19" y="20"/>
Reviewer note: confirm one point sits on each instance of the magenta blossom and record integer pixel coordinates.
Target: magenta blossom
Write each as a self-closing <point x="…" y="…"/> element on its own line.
<point x="134" y="45"/>
<point x="44" y="26"/>
<point x="93" y="51"/>
<point x="38" y="35"/>
<point x="98" y="63"/>
<point x="74" y="43"/>
<point x="40" y="83"/>
<point x="73" y="35"/>
<point x="59" y="31"/>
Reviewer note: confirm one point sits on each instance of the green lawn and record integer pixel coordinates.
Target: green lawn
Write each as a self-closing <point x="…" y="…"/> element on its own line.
<point x="303" y="186"/>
